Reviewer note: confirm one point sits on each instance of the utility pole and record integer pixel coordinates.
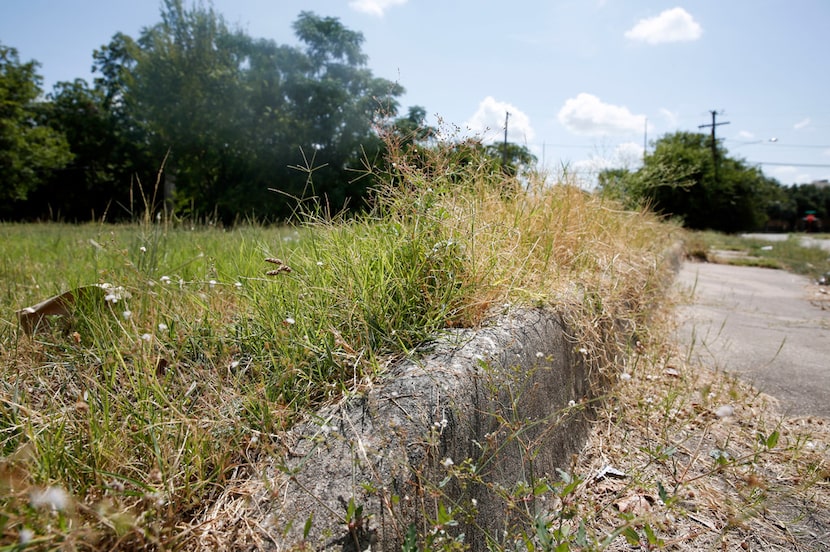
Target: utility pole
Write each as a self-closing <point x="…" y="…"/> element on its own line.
<point x="714" y="125"/>
<point x="504" y="150"/>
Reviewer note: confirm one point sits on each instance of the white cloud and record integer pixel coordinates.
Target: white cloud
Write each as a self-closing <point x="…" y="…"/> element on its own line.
<point x="804" y="123"/>
<point x="587" y="114"/>
<point x="746" y="135"/>
<point x="628" y="154"/>
<point x="788" y="175"/>
<point x="488" y="122"/>
<point x="375" y="7"/>
<point x="674" y="25"/>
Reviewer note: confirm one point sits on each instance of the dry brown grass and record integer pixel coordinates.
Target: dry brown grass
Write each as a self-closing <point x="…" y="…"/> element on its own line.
<point x="667" y="422"/>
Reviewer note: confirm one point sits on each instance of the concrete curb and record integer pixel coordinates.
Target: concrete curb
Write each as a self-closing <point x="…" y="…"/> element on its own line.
<point x="512" y="399"/>
<point x="384" y="450"/>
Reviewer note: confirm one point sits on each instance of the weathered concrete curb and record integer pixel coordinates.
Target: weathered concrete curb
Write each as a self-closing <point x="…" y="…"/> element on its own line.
<point x="512" y="398"/>
<point x="384" y="450"/>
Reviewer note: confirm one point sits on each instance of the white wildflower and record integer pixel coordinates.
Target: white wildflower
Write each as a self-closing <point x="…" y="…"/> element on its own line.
<point x="447" y="462"/>
<point x="212" y="284"/>
<point x="540" y="354"/>
<point x="162" y="327"/>
<point x="237" y="285"/>
<point x="725" y="411"/>
<point x="53" y="498"/>
<point x="143" y="249"/>
<point x="147" y="337"/>
<point x="289" y="321"/>
<point x="25" y="536"/>
<point x="571" y="403"/>
<point x="165" y="279"/>
<point x="625" y="376"/>
<point x="127" y="314"/>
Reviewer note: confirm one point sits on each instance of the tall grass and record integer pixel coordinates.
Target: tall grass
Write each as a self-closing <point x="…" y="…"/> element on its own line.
<point x="120" y="423"/>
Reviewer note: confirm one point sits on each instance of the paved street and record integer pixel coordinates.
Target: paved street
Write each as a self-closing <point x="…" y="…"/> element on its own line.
<point x="766" y="325"/>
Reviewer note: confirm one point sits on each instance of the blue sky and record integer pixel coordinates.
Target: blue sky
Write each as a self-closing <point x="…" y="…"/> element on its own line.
<point x="580" y="78"/>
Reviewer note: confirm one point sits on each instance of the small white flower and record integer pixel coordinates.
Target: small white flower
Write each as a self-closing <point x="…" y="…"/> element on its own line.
<point x="724" y="411"/>
<point x="54" y="498"/>
<point x="571" y="403"/>
<point x="162" y="327"/>
<point x="319" y="263"/>
<point x="540" y="354"/>
<point x="235" y="364"/>
<point x="474" y="502"/>
<point x="289" y="321"/>
<point x="165" y="279"/>
<point x="625" y="376"/>
<point x="447" y="462"/>
<point x="143" y="249"/>
<point x="26" y="535"/>
<point x="212" y="283"/>
<point x="127" y="314"/>
<point x="237" y="285"/>
<point x="147" y="337"/>
<point x="584" y="351"/>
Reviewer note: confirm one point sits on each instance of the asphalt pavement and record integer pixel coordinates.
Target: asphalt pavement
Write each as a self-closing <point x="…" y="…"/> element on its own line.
<point x="767" y="326"/>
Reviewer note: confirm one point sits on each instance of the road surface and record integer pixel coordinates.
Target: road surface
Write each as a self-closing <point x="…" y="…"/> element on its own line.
<point x="770" y="327"/>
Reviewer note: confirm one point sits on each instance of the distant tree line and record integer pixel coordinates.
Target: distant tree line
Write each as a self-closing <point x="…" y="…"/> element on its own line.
<point x="202" y="119"/>
<point x="687" y="177"/>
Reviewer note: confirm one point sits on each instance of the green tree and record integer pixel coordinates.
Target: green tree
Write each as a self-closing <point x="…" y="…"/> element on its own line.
<point x="236" y="113"/>
<point x="679" y="178"/>
<point x="108" y="161"/>
<point x="29" y="148"/>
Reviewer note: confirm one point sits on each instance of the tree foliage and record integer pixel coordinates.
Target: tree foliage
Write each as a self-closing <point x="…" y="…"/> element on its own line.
<point x="29" y="148"/>
<point x="226" y="116"/>
<point x="682" y="178"/>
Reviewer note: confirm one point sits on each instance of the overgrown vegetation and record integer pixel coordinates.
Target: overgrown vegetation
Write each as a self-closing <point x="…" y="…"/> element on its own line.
<point x="121" y="421"/>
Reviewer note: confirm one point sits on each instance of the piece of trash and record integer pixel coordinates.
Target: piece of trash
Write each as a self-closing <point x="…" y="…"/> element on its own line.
<point x="609" y="471"/>
<point x="766" y="248"/>
<point x="725" y="411"/>
<point x="61" y="305"/>
<point x="635" y="504"/>
<point x="671" y="372"/>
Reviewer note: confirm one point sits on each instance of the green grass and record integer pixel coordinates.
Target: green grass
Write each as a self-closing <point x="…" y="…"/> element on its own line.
<point x="789" y="254"/>
<point x="120" y="423"/>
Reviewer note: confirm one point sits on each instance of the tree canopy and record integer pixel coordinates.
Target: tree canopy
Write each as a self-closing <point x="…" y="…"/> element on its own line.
<point x="205" y="121"/>
<point x="29" y="148"/>
<point x="685" y="177"/>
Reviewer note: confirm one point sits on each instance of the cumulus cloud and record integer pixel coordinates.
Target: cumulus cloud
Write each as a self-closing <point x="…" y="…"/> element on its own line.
<point x="375" y="7"/>
<point x="804" y="123"/>
<point x="587" y="114"/>
<point x="789" y="175"/>
<point x="674" y="25"/>
<point x="488" y="122"/>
